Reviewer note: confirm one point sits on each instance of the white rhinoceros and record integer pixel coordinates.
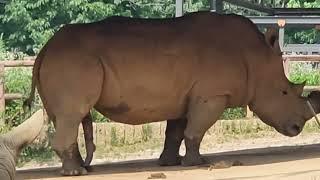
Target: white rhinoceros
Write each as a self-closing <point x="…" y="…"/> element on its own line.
<point x="184" y="70"/>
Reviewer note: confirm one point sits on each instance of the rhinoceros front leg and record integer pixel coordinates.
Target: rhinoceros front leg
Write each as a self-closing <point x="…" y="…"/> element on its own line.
<point x="174" y="136"/>
<point x="202" y="114"/>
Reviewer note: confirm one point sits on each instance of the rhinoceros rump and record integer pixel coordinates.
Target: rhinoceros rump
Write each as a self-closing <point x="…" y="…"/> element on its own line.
<point x="184" y="70"/>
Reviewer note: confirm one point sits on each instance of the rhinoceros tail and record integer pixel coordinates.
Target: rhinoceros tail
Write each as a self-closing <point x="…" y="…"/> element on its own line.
<point x="88" y="137"/>
<point x="35" y="79"/>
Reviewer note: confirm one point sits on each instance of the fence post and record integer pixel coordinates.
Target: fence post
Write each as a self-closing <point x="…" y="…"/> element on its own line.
<point x="249" y="113"/>
<point x="2" y="98"/>
<point x="286" y="67"/>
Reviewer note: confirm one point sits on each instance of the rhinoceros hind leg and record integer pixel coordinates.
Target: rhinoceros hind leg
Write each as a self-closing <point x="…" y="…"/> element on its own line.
<point x="174" y="136"/>
<point x="202" y="114"/>
<point x="65" y="145"/>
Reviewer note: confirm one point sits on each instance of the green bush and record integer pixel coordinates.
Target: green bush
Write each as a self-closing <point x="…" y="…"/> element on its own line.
<point x="17" y="80"/>
<point x="98" y="117"/>
<point x="300" y="72"/>
<point x="233" y="113"/>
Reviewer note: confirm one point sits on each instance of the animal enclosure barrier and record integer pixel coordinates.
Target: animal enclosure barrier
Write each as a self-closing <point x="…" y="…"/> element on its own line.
<point x="112" y="134"/>
<point x="26" y="62"/>
<point x="29" y="61"/>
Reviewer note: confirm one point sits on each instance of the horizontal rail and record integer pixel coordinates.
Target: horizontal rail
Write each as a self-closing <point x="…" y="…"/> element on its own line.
<point x="13" y="96"/>
<point x="18" y="63"/>
<point x="295" y="11"/>
<point x="290" y="20"/>
<point x="301" y="57"/>
<point x="311" y="88"/>
<point x="308" y="48"/>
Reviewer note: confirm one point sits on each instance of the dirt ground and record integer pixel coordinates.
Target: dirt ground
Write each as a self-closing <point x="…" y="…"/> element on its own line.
<point x="288" y="159"/>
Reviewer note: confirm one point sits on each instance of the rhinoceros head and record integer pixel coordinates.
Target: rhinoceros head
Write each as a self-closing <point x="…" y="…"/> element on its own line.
<point x="277" y="101"/>
<point x="12" y="143"/>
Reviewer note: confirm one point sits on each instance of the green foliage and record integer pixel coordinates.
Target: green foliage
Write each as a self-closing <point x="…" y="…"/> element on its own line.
<point x="114" y="137"/>
<point x="38" y="154"/>
<point x="2" y="45"/>
<point x="233" y="113"/>
<point x="17" y="80"/>
<point x="302" y="35"/>
<point x="146" y="132"/>
<point x="29" y="24"/>
<point x="301" y="72"/>
<point x="303" y="3"/>
<point x="98" y="117"/>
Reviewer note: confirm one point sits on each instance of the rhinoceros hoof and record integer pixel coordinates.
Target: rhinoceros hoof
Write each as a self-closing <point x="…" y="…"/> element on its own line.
<point x="169" y="160"/>
<point x="193" y="160"/>
<point x="74" y="172"/>
<point x="88" y="168"/>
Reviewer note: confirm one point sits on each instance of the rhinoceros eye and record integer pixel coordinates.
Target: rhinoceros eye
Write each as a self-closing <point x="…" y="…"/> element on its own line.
<point x="284" y="92"/>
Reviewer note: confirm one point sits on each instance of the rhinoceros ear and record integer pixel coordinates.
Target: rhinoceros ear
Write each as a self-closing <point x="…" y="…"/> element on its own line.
<point x="272" y="39"/>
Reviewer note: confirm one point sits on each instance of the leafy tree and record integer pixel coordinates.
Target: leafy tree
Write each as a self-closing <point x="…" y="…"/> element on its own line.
<point x="28" y="24"/>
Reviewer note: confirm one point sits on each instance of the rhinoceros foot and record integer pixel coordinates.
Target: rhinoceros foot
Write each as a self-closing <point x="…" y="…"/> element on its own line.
<point x="73" y="167"/>
<point x="74" y="172"/>
<point x="189" y="160"/>
<point x="72" y="162"/>
<point x="169" y="159"/>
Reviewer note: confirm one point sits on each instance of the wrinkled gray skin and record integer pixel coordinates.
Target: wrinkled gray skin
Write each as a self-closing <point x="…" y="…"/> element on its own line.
<point x="14" y="141"/>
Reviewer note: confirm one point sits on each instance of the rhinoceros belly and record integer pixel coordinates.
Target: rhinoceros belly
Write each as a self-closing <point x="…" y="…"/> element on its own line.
<point x="129" y="113"/>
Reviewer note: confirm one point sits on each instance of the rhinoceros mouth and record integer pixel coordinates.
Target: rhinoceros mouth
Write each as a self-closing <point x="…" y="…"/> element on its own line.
<point x="293" y="130"/>
<point x="290" y="130"/>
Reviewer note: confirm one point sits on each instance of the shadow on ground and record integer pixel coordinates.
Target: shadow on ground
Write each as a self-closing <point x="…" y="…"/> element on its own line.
<point x="250" y="157"/>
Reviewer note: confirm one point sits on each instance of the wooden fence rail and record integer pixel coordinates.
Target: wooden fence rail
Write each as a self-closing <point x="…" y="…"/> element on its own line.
<point x="29" y="61"/>
<point x="111" y="134"/>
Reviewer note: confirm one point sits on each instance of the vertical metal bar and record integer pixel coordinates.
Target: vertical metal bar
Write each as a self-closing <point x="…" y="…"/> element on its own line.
<point x="216" y="6"/>
<point x="281" y="44"/>
<point x="281" y="38"/>
<point x="213" y="6"/>
<point x="179" y="8"/>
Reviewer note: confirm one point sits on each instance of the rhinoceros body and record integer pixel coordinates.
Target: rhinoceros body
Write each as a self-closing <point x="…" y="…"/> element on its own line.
<point x="184" y="70"/>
